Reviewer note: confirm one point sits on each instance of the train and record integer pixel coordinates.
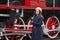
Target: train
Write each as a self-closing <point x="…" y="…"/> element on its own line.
<point x="15" y="23"/>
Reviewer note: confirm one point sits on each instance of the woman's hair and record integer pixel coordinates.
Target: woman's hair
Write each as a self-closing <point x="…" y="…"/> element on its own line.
<point x="40" y="11"/>
<point x="38" y="8"/>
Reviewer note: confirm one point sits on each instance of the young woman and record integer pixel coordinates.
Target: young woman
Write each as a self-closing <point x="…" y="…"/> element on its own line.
<point x="37" y="32"/>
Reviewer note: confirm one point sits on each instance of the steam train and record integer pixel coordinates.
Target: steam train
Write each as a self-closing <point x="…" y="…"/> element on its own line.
<point x="21" y="25"/>
<point x="15" y="23"/>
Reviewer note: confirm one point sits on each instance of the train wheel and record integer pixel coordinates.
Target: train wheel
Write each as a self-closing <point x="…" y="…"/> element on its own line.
<point x="31" y="25"/>
<point x="18" y="21"/>
<point x="26" y="37"/>
<point x="30" y="28"/>
<point x="52" y="23"/>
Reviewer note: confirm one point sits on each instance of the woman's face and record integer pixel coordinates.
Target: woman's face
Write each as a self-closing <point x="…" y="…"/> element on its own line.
<point x="37" y="12"/>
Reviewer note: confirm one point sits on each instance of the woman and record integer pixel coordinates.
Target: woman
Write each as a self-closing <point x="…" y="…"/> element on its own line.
<point x="37" y="32"/>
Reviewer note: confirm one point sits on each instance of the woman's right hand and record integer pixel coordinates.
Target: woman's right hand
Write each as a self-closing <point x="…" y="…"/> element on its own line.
<point x="32" y="18"/>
